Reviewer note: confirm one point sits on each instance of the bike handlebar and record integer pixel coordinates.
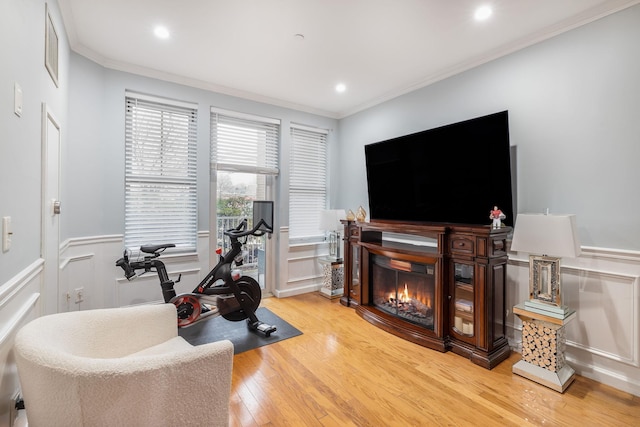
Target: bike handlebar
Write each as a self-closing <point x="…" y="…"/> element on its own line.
<point x="148" y="263"/>
<point x="241" y="229"/>
<point x="124" y="264"/>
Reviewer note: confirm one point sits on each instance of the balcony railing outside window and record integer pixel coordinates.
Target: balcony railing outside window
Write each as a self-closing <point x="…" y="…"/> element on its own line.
<point x="252" y="251"/>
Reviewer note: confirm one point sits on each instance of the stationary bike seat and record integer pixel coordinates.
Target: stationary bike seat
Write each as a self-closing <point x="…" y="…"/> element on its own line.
<point x="152" y="249"/>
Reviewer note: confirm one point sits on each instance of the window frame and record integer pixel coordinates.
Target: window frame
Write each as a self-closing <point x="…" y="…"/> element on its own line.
<point x="160" y="166"/>
<point x="303" y="185"/>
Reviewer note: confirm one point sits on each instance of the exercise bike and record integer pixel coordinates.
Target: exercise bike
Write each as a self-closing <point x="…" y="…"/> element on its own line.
<point x="223" y="292"/>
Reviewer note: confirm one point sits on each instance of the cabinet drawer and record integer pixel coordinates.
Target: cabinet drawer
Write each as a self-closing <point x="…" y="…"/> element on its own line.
<point x="462" y="245"/>
<point x="354" y="231"/>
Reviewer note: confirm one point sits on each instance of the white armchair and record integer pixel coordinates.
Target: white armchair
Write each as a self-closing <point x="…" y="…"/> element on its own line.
<point x="121" y="367"/>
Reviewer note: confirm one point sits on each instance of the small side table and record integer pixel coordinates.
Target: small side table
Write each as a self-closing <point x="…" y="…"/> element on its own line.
<point x="332" y="277"/>
<point x="543" y="347"/>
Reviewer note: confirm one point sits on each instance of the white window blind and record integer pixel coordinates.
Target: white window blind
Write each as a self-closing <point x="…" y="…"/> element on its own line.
<point x="244" y="143"/>
<point x="307" y="181"/>
<point x="160" y="172"/>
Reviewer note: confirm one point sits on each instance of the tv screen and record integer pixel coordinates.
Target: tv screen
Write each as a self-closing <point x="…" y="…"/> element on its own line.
<point x="451" y="174"/>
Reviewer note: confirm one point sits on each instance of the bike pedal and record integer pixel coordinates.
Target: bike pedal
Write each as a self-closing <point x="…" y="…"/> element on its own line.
<point x="262" y="327"/>
<point x="208" y="307"/>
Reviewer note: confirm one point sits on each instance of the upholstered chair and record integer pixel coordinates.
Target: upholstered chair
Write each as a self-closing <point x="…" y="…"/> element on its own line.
<point x="121" y="367"/>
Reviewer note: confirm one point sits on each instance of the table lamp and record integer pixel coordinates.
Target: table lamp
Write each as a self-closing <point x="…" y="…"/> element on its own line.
<point x="546" y="238"/>
<point x="330" y="221"/>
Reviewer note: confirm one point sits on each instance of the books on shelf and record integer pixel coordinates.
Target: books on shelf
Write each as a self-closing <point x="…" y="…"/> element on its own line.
<point x="464" y="305"/>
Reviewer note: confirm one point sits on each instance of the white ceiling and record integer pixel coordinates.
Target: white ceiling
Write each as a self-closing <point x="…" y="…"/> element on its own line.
<point x="378" y="48"/>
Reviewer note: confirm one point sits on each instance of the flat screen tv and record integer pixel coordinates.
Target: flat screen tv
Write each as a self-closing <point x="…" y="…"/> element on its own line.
<point x="451" y="174"/>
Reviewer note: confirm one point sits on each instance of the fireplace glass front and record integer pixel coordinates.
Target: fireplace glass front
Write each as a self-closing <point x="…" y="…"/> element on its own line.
<point x="404" y="289"/>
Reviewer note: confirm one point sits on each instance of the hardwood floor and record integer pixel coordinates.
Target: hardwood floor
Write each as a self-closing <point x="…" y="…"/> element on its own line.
<point x="344" y="371"/>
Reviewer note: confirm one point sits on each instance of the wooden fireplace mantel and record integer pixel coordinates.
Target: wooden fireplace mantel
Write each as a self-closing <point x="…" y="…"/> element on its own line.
<point x="470" y="263"/>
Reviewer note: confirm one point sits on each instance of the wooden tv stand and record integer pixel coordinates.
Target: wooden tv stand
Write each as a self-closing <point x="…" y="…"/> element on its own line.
<point x="471" y="270"/>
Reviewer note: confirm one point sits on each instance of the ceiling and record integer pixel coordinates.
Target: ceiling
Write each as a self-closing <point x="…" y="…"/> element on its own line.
<point x="293" y="53"/>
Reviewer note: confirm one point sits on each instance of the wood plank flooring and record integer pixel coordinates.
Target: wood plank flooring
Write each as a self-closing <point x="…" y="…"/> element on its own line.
<point x="344" y="371"/>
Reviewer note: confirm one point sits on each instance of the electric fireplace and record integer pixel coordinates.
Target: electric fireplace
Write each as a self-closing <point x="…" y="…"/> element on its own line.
<point x="441" y="286"/>
<point x="404" y="289"/>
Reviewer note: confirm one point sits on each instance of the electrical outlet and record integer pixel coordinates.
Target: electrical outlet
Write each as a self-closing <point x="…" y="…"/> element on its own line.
<point x="79" y="295"/>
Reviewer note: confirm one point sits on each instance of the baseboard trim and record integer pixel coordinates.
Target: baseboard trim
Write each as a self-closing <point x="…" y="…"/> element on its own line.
<point x="283" y="293"/>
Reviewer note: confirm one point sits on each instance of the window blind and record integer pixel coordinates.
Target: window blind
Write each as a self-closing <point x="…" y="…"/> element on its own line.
<point x="244" y="143"/>
<point x="160" y="173"/>
<point x="307" y="181"/>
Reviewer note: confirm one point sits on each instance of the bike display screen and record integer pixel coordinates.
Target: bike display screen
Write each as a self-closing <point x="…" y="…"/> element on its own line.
<point x="263" y="210"/>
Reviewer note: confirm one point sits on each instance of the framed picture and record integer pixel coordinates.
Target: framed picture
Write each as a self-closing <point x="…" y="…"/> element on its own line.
<point x="51" y="47"/>
<point x="544" y="280"/>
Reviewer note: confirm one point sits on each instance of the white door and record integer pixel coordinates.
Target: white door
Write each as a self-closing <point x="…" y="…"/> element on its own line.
<point x="55" y="299"/>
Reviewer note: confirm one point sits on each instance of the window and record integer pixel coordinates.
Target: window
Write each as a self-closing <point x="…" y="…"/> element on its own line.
<point x="244" y="157"/>
<point x="244" y="160"/>
<point x="307" y="182"/>
<point x="160" y="172"/>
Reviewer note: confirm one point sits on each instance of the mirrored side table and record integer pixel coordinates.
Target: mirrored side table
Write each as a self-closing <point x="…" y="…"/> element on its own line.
<point x="332" y="277"/>
<point x="543" y="347"/>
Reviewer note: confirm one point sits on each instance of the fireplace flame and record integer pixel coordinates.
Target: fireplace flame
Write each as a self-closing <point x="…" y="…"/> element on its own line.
<point x="404" y="297"/>
<point x="415" y="307"/>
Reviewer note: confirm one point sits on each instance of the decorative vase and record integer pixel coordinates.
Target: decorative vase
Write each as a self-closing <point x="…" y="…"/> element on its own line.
<point x="361" y="214"/>
<point x="351" y="216"/>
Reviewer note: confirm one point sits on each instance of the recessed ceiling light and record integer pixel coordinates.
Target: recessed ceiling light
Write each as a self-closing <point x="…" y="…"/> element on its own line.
<point x="482" y="13"/>
<point x="161" y="32"/>
<point x="341" y="87"/>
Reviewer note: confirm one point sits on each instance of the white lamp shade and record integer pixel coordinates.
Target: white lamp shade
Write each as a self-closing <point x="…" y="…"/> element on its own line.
<point x="330" y="219"/>
<point x="554" y="235"/>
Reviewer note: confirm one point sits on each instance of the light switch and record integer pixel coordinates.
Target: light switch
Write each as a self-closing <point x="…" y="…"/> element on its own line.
<point x="17" y="99"/>
<point x="6" y="233"/>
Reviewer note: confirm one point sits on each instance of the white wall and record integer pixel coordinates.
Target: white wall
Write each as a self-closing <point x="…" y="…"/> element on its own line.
<point x="22" y="25"/>
<point x="89" y="104"/>
<point x="93" y="175"/>
<point x="574" y="116"/>
<point x="603" y="286"/>
<point x="22" y="41"/>
<point x="93" y="172"/>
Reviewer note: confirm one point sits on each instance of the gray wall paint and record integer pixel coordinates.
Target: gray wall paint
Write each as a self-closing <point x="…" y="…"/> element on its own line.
<point x="574" y="113"/>
<point x="22" y="52"/>
<point x="574" y="103"/>
<point x="94" y="174"/>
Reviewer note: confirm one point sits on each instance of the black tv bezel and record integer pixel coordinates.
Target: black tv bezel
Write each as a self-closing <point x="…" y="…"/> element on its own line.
<point x="444" y="161"/>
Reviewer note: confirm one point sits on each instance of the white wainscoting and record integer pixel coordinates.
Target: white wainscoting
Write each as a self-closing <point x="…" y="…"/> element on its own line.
<point x="90" y="264"/>
<point x="299" y="269"/>
<point x="20" y="302"/>
<point x="603" y="286"/>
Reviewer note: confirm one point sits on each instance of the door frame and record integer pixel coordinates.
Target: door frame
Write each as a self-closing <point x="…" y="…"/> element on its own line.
<point x="270" y="243"/>
<point x="50" y="222"/>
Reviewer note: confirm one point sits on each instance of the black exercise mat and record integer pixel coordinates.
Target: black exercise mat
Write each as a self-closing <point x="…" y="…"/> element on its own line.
<point x="218" y="328"/>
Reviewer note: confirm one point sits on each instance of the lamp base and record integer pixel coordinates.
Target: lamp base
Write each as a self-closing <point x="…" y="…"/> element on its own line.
<point x="557" y="311"/>
<point x="558" y="381"/>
